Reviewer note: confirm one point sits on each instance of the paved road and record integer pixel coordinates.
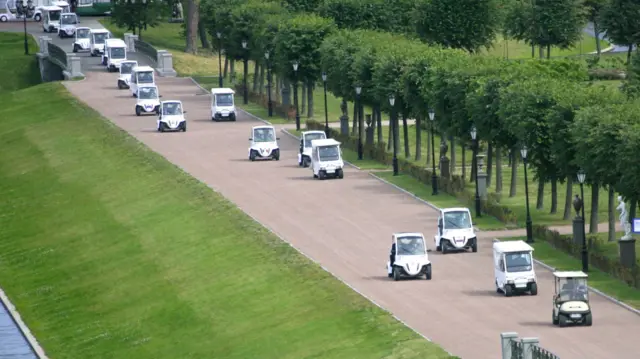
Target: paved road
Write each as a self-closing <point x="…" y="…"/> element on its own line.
<point x="603" y="36"/>
<point x="346" y="226"/>
<point x="12" y="343"/>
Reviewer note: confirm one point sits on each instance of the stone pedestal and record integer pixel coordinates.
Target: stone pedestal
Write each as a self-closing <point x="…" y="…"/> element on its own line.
<point x="344" y="125"/>
<point x="444" y="167"/>
<point x="628" y="252"/>
<point x="130" y="41"/>
<point x="578" y="231"/>
<point x="482" y="185"/>
<point x="74" y="68"/>
<point x="505" y="343"/>
<point x="165" y="64"/>
<point x="285" y="94"/>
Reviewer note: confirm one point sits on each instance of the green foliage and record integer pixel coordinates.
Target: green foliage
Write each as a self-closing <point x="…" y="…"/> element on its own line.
<point x="620" y="20"/>
<point x="460" y="24"/>
<point x="631" y="85"/>
<point x="21" y="71"/>
<point x="383" y="15"/>
<point x="250" y="21"/>
<point x="301" y="5"/>
<point x="339" y="50"/>
<point x="136" y="16"/>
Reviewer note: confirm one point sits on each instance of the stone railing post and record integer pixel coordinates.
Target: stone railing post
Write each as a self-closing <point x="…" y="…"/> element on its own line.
<point x="505" y="343"/>
<point x="130" y="40"/>
<point x="74" y="66"/>
<point x="165" y="64"/>
<point x="527" y="347"/>
<point x="44" y="45"/>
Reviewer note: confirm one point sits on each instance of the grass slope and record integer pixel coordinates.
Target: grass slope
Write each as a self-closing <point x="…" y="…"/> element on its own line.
<point x="109" y="251"/>
<point x="19" y="70"/>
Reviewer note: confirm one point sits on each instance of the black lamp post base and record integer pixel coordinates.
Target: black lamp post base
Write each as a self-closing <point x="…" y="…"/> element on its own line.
<point x="297" y="122"/>
<point x="360" y="150"/>
<point x="529" y="231"/>
<point x="478" y="207"/>
<point x="585" y="260"/>
<point x="434" y="184"/>
<point x="395" y="166"/>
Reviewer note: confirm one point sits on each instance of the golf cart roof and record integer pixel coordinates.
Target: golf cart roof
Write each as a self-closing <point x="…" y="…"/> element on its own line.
<point x="171" y="101"/>
<point x="83" y="28"/>
<point x="100" y="31"/>
<point x="115" y="43"/>
<point x="310" y="132"/>
<point x="455" y="209"/>
<point x="51" y="8"/>
<point x="143" y="69"/>
<point x="575" y="274"/>
<point x="324" y="142"/>
<point x="60" y="3"/>
<point x="408" y="234"/>
<point x="224" y="90"/>
<point x="265" y="127"/>
<point x="146" y="86"/>
<point x="69" y="13"/>
<point x="129" y="62"/>
<point x="512" y="246"/>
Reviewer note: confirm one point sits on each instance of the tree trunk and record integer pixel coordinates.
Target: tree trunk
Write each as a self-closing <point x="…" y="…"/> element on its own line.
<point x="418" y="137"/>
<point x="541" y="52"/>
<point x="202" y="33"/>
<point x="396" y="137"/>
<point x="593" y="223"/>
<point x="389" y="142"/>
<point x="629" y="54"/>
<point x="310" y="88"/>
<point x="489" y="163"/>
<point x="596" y="31"/>
<point x="428" y="148"/>
<point x="405" y="129"/>
<point x="452" y="164"/>
<point x="540" y="200"/>
<point x="567" y="199"/>
<point x="548" y="52"/>
<point x="554" y="196"/>
<point x="303" y="105"/>
<point x="464" y="164"/>
<point x="232" y="71"/>
<point x="192" y="26"/>
<point x="226" y="66"/>
<point x="514" y="174"/>
<point x="261" y="76"/>
<point x="498" y="170"/>
<point x="256" y="76"/>
<point x="611" y="215"/>
<point x="378" y="112"/>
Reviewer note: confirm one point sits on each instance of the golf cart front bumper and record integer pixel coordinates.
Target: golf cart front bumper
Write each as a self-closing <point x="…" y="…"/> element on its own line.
<point x="575" y="316"/>
<point x="149" y="108"/>
<point x="168" y="128"/>
<point x="459" y="243"/>
<point x="521" y="285"/>
<point x="266" y="153"/>
<point x="224" y="116"/>
<point x="403" y="272"/>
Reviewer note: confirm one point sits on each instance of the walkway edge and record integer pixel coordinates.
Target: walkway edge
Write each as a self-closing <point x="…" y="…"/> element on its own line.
<point x="599" y="292"/>
<point x="24" y="330"/>
<point x="285" y="131"/>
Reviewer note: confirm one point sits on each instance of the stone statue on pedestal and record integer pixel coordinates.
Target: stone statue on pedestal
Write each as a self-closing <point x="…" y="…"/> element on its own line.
<point x="624" y="219"/>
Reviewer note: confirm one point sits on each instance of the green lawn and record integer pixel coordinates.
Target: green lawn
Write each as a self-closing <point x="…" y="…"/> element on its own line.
<point x="108" y="250"/>
<point x="612" y="249"/>
<point x="19" y="70"/>
<point x="597" y="279"/>
<point x="519" y="50"/>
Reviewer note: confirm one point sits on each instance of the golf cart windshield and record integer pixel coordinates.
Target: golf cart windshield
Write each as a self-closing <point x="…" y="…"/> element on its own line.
<point x="127" y="67"/>
<point x="117" y="52"/>
<point x="68" y="20"/>
<point x="312" y="136"/>
<point x="225" y="99"/>
<point x="145" y="77"/>
<point x="329" y="153"/>
<point x="571" y="289"/>
<point x="83" y="33"/>
<point x="410" y="246"/>
<point x="54" y="15"/>
<point x="518" y="262"/>
<point x="264" y="135"/>
<point x="171" y="109"/>
<point x="99" y="37"/>
<point x="147" y="93"/>
<point x="457" y="220"/>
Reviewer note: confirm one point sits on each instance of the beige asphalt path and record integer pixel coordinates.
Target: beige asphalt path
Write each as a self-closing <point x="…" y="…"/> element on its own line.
<point x="346" y="226"/>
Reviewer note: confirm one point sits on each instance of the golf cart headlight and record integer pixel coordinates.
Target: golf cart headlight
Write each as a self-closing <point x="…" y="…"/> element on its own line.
<point x="509" y="282"/>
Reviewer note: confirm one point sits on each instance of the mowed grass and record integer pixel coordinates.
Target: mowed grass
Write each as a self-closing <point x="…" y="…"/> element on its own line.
<point x="19" y="70"/>
<point x="109" y="251"/>
<point x="612" y="249"/>
<point x="519" y="50"/>
<point x="597" y="279"/>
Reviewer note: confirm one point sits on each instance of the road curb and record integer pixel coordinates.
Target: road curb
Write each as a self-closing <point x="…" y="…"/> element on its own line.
<point x="285" y="131"/>
<point x="599" y="292"/>
<point x="24" y="330"/>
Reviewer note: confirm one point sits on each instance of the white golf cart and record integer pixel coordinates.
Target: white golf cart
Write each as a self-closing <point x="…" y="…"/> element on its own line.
<point x="141" y="76"/>
<point x="326" y="159"/>
<point x="264" y="143"/>
<point x="455" y="231"/>
<point x="513" y="268"/>
<point x="51" y="18"/>
<point x="115" y="51"/>
<point x="64" y="5"/>
<point x="82" y="39"/>
<point x="571" y="299"/>
<point x="304" y="157"/>
<point x="148" y="100"/>
<point x="98" y="38"/>
<point x="11" y="10"/>
<point x="126" y="68"/>
<point x="68" y="23"/>
<point x="171" y="117"/>
<point x="222" y="104"/>
<point x="408" y="256"/>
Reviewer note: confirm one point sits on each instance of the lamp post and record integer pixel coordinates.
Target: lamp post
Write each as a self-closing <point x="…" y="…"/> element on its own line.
<point x="219" y="36"/>
<point x="474" y="134"/>
<point x="392" y="102"/>
<point x="585" y="254"/>
<point x="24" y="22"/>
<point x="523" y="152"/>
<point x="246" y="70"/>
<point x="266" y="56"/>
<point x="295" y="93"/>
<point x="358" y="92"/>
<point x="326" y="114"/>
<point x="434" y="177"/>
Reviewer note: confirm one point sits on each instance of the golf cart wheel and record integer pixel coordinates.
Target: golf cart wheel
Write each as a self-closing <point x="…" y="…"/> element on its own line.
<point x="75" y="48"/>
<point x="508" y="290"/>
<point x="138" y="111"/>
<point x="213" y="118"/>
<point x="554" y="320"/>
<point x="588" y="320"/>
<point x="340" y="174"/>
<point x="474" y="247"/>
<point x="37" y="18"/>
<point x="428" y="274"/>
<point x="252" y="156"/>
<point x="276" y="156"/>
<point x="443" y="247"/>
<point x="396" y="274"/>
<point x="161" y="127"/>
<point x="305" y="162"/>
<point x="562" y="320"/>
<point x="184" y="127"/>
<point x="533" y="289"/>
<point x="438" y="248"/>
<point x="3" y="19"/>
<point x="322" y="175"/>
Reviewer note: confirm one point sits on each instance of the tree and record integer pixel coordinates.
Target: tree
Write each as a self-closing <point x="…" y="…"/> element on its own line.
<point x="594" y="8"/>
<point x="619" y="19"/>
<point x="301" y="5"/>
<point x="192" y="20"/>
<point x="460" y="24"/>
<point x="383" y="15"/>
<point x="631" y="84"/>
<point x="136" y="16"/>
